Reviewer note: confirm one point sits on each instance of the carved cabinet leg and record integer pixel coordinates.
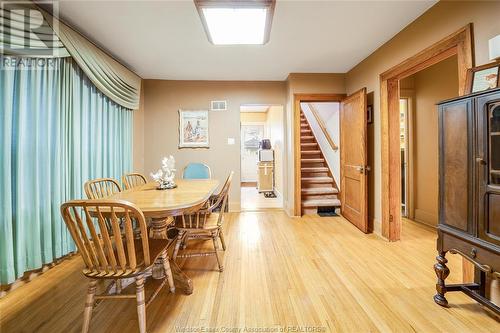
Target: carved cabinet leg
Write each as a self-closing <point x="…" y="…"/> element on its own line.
<point x="442" y="272"/>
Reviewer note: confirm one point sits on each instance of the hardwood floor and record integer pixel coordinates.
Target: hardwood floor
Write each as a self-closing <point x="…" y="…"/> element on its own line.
<point x="279" y="272"/>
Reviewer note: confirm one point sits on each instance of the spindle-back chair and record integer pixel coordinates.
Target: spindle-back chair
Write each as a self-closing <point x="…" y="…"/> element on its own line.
<point x="115" y="256"/>
<point x="204" y="223"/>
<point x="131" y="180"/>
<point x="101" y="188"/>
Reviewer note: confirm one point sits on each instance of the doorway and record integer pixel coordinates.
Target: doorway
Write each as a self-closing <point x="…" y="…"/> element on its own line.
<point x="261" y="156"/>
<point x="418" y="95"/>
<point x="458" y="44"/>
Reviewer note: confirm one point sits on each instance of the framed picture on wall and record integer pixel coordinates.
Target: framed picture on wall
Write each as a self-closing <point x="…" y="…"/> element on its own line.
<point x="483" y="77"/>
<point x="193" y="129"/>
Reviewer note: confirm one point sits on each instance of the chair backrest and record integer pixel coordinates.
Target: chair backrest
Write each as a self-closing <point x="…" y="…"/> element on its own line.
<point x="104" y="235"/>
<point x="197" y="171"/>
<point x="131" y="180"/>
<point x="101" y="188"/>
<point x="197" y="220"/>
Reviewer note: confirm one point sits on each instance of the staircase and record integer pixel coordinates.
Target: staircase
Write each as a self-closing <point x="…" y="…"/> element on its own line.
<point x="318" y="186"/>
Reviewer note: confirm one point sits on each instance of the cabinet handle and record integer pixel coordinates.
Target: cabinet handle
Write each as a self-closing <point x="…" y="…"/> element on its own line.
<point x="484" y="268"/>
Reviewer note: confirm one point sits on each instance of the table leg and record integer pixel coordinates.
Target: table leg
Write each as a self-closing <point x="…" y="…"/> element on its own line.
<point x="159" y="231"/>
<point x="159" y="228"/>
<point x="181" y="281"/>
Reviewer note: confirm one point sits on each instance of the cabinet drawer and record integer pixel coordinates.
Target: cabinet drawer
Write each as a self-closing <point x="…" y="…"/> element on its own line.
<point x="481" y="256"/>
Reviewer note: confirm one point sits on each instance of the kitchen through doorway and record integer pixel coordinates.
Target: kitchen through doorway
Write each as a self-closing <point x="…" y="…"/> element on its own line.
<point x="261" y="156"/>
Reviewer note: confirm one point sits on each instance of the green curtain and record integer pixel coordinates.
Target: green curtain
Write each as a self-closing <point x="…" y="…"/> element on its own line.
<point x="56" y="132"/>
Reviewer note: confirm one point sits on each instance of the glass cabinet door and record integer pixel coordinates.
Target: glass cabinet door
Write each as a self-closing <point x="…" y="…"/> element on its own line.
<point x="488" y="163"/>
<point x="494" y="143"/>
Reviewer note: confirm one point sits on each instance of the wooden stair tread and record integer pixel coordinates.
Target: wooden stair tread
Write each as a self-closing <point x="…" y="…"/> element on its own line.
<point x="317" y="179"/>
<point x="312" y="160"/>
<point x="321" y="203"/>
<point x="319" y="190"/>
<point x="309" y="144"/>
<point x="315" y="169"/>
<point x="311" y="151"/>
<point x="307" y="137"/>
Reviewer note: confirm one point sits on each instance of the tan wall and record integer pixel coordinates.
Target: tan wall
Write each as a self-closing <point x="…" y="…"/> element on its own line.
<point x="253" y="117"/>
<point x="440" y="21"/>
<point x="163" y="99"/>
<point x="432" y="85"/>
<point x="303" y="83"/>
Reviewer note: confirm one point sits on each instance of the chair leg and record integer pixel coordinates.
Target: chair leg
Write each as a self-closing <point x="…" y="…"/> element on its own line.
<point x="141" y="303"/>
<point x="185" y="240"/>
<point x="89" y="305"/>
<point x="216" y="247"/>
<point x="168" y="272"/>
<point x="222" y="240"/>
<point x="118" y="284"/>
<point x="178" y="244"/>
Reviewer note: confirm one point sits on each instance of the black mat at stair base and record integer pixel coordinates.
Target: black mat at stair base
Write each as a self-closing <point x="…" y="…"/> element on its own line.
<point x="269" y="195"/>
<point x="327" y="211"/>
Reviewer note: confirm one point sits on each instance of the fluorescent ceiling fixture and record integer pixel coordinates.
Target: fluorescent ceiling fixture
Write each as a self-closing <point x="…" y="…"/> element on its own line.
<point x="240" y="22"/>
<point x="228" y="26"/>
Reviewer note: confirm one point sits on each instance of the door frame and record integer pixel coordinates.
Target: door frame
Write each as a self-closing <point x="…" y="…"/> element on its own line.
<point x="297" y="99"/>
<point x="460" y="43"/>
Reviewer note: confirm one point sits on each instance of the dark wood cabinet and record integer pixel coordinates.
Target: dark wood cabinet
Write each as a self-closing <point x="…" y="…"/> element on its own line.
<point x="469" y="191"/>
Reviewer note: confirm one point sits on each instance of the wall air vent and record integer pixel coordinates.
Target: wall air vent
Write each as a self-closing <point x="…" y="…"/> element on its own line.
<point x="218" y="105"/>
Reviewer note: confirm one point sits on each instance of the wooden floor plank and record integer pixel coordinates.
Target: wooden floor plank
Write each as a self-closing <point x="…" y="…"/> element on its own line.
<point x="278" y="272"/>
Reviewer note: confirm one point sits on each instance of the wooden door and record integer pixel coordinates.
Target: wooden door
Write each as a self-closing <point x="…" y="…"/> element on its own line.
<point x="353" y="160"/>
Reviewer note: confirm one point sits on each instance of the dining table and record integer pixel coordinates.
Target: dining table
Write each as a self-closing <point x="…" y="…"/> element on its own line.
<point x="160" y="207"/>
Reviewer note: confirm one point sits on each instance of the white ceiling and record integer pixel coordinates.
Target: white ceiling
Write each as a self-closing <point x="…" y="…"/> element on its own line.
<point x="254" y="108"/>
<point x="165" y="39"/>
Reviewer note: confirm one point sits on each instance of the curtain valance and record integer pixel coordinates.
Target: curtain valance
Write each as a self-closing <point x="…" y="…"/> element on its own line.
<point x="29" y="31"/>
<point x="113" y="79"/>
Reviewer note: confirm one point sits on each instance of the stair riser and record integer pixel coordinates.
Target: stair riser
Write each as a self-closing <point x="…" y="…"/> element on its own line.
<point x="315" y="164"/>
<point x="313" y="174"/>
<point x="315" y="185"/>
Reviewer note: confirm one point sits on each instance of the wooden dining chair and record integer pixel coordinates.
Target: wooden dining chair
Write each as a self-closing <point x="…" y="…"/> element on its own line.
<point x="112" y="257"/>
<point x="101" y="188"/>
<point x="204" y="223"/>
<point x="131" y="180"/>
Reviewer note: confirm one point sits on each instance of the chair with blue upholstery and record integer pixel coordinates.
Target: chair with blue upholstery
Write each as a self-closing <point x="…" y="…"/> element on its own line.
<point x="197" y="171"/>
